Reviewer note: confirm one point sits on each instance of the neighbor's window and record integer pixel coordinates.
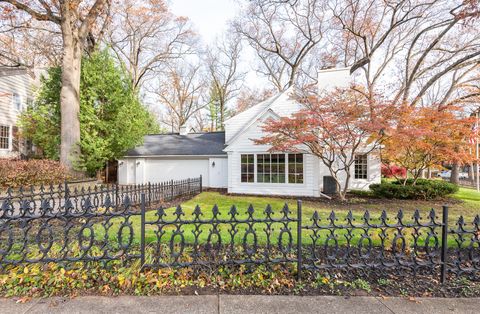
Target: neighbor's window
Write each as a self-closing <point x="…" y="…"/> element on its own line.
<point x="4" y="136"/>
<point x="17" y="101"/>
<point x="295" y="168"/>
<point x="271" y="168"/>
<point x="247" y="164"/>
<point x="361" y="166"/>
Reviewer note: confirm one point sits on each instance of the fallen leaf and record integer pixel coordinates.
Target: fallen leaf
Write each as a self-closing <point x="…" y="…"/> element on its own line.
<point x="23" y="300"/>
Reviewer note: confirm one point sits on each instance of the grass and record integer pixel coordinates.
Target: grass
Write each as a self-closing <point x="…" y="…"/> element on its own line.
<point x="465" y="202"/>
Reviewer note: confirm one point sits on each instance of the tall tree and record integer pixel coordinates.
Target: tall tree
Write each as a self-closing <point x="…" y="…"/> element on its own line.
<point x="182" y="91"/>
<point x="223" y="68"/>
<point x="112" y="118"/>
<point x="146" y="35"/>
<point x="283" y="34"/>
<point x="76" y="21"/>
<point x="428" y="47"/>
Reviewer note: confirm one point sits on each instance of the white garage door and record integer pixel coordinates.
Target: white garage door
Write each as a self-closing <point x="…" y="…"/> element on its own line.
<point x="161" y="170"/>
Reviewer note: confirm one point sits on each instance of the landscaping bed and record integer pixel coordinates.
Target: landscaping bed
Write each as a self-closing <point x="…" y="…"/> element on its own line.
<point x="119" y="279"/>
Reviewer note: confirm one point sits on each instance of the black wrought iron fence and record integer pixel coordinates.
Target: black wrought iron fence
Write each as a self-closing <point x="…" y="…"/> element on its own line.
<point x="74" y="234"/>
<point x="195" y="237"/>
<point x="63" y="196"/>
<point x="206" y="238"/>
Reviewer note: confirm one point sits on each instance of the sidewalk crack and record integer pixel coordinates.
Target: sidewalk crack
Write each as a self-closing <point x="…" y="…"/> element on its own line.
<point x="380" y="300"/>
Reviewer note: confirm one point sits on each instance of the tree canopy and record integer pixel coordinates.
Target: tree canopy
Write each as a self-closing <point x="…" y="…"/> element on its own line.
<point x="112" y="118"/>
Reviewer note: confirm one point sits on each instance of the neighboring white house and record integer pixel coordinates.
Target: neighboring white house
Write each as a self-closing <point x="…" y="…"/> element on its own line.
<point x="16" y="92"/>
<point x="232" y="160"/>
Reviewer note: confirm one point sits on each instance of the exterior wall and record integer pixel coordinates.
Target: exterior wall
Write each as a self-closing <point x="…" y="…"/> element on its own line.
<point x="244" y="145"/>
<point x="158" y="169"/>
<point x="218" y="172"/>
<point x="373" y="173"/>
<point x="309" y="187"/>
<point x="21" y="84"/>
<point x="314" y="169"/>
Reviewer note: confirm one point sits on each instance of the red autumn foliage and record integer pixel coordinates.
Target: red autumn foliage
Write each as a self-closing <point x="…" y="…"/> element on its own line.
<point x="391" y="171"/>
<point x="334" y="127"/>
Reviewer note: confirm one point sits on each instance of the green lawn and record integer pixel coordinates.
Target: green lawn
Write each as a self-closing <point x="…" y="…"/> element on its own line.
<point x="466" y="202"/>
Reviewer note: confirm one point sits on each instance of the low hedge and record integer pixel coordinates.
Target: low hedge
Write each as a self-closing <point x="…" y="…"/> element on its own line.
<point x="15" y="173"/>
<point x="423" y="189"/>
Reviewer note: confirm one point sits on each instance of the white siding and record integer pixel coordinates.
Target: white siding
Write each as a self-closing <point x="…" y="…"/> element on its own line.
<point x="314" y="169"/>
<point x="243" y="145"/>
<point x="373" y="174"/>
<point x="157" y="169"/>
<point x="22" y="85"/>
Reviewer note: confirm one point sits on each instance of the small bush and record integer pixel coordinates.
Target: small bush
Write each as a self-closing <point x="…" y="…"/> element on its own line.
<point x="15" y="173"/>
<point x="423" y="189"/>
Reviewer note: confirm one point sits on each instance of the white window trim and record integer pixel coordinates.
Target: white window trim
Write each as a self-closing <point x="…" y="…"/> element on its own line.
<point x="14" y="105"/>
<point x="367" y="170"/>
<point x="268" y="183"/>
<point x="10" y="138"/>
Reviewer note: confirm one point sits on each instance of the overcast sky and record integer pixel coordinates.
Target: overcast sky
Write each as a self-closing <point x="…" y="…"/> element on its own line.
<point x="208" y="16"/>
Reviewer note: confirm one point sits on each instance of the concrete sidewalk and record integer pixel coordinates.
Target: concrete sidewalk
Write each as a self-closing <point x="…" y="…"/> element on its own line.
<point x="234" y="304"/>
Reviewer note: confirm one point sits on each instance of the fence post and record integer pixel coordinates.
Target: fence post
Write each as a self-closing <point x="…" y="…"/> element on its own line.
<point x="171" y="191"/>
<point x="117" y="198"/>
<point x="149" y="193"/>
<point x="299" y="240"/>
<point x="443" y="266"/>
<point x="142" y="231"/>
<point x="201" y="184"/>
<point x="66" y="196"/>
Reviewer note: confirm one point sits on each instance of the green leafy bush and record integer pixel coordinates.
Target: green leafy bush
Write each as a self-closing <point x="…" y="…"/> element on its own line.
<point x="15" y="173"/>
<point x="423" y="189"/>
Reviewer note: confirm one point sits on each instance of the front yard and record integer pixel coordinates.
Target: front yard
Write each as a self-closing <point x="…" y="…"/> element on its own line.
<point x="465" y="202"/>
<point x="117" y="277"/>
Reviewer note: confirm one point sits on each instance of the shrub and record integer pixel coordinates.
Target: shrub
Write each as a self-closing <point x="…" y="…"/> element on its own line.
<point x="423" y="189"/>
<point x="15" y="173"/>
<point x="393" y="171"/>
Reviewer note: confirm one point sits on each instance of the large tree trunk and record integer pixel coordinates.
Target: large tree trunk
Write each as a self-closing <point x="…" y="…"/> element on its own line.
<point x="454" y="175"/>
<point x="70" y="98"/>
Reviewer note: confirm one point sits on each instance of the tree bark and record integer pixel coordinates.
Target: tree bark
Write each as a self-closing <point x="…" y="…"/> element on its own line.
<point x="454" y="175"/>
<point x="70" y="96"/>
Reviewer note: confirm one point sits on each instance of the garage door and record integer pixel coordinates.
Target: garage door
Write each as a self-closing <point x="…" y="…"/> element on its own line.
<point x="161" y="170"/>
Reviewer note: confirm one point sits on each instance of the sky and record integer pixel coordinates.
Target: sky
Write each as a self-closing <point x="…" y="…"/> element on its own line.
<point x="209" y="17"/>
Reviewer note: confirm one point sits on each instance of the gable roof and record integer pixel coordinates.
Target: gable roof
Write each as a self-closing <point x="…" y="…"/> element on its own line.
<point x="194" y="144"/>
<point x="250" y="115"/>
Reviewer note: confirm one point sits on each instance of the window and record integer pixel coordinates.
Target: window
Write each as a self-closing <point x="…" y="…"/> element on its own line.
<point x="247" y="165"/>
<point x="295" y="168"/>
<point x="17" y="101"/>
<point x="4" y="137"/>
<point x="271" y="168"/>
<point x="361" y="166"/>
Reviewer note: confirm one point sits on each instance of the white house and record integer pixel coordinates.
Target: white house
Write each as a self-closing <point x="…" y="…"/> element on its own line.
<point x="232" y="160"/>
<point x="16" y="92"/>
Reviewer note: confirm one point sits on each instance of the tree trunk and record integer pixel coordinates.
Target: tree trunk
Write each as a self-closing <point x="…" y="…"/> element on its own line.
<point x="70" y="98"/>
<point x="471" y="176"/>
<point x="454" y="175"/>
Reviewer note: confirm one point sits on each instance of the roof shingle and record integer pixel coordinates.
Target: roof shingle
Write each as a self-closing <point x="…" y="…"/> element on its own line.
<point x="194" y="144"/>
